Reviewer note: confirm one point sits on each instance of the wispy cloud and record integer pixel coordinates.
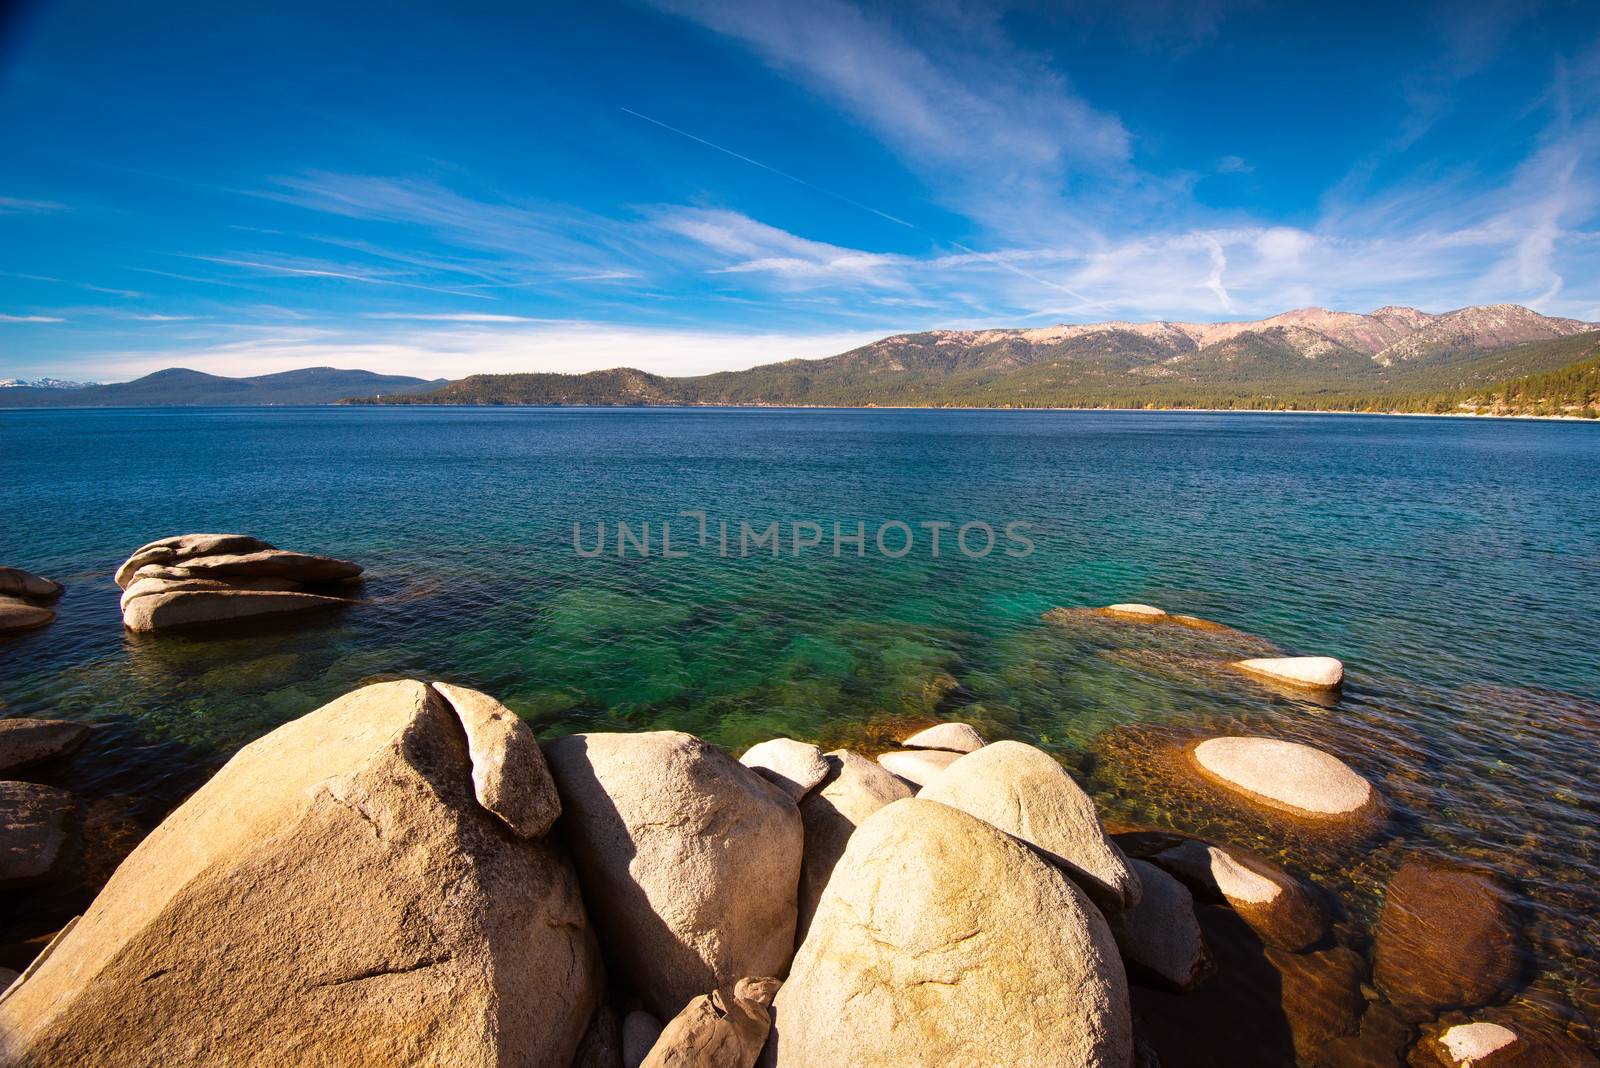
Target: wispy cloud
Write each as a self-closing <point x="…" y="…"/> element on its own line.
<point x="450" y="317"/>
<point x="30" y="319"/>
<point x="19" y="206"/>
<point x="75" y="285"/>
<point x="998" y="128"/>
<point x="343" y="273"/>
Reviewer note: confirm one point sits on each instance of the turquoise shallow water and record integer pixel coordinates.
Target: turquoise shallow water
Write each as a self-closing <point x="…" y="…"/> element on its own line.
<point x="1453" y="565"/>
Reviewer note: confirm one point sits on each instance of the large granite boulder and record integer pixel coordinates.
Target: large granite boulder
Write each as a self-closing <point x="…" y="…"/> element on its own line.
<point x="689" y="860"/>
<point x="854" y="789"/>
<point x="1160" y="937"/>
<point x="793" y="767"/>
<point x="1288" y="777"/>
<point x="1280" y="909"/>
<point x="1025" y="792"/>
<point x="25" y="741"/>
<point x="33" y="830"/>
<point x="717" y="1030"/>
<point x="943" y="941"/>
<point x="334" y="895"/>
<point x="197" y="579"/>
<point x="1448" y="937"/>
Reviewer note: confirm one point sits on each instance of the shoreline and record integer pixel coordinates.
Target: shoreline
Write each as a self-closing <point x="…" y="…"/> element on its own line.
<point x="809" y="407"/>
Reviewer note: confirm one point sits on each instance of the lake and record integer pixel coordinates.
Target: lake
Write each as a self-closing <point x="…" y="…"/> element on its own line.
<point x="1453" y="565"/>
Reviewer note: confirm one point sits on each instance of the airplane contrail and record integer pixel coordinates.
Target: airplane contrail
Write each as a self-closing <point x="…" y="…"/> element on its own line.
<point x="987" y="256"/>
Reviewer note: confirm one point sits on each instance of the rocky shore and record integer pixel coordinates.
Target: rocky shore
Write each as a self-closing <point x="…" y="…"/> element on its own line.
<point x="408" y="875"/>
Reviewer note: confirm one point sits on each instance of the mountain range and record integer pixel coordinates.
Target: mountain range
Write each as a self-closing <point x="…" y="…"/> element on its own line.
<point x="1394" y="358"/>
<point x="179" y="386"/>
<point x="1310" y="357"/>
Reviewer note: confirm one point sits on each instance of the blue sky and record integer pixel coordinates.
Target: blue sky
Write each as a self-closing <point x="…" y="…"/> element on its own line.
<point x="685" y="186"/>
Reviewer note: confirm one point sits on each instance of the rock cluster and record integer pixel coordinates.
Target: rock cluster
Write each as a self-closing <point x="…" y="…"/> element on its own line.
<point x="24" y="600"/>
<point x="212" y="578"/>
<point x="407" y="876"/>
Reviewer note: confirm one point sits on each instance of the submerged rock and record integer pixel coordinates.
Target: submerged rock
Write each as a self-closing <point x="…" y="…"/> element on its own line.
<point x="793" y="767"/>
<point x="33" y="830"/>
<point x="1160" y="936"/>
<point x="1500" y="1038"/>
<point x="1279" y="908"/>
<point x="955" y="737"/>
<point x="854" y="789"/>
<point x="943" y="941"/>
<point x="1134" y="611"/>
<point x="334" y="895"/>
<point x="717" y="1031"/>
<point x="26" y="586"/>
<point x="26" y="741"/>
<point x="918" y="766"/>
<point x="1262" y="1008"/>
<point x="1287" y="776"/>
<point x="1309" y="672"/>
<point x="17" y="615"/>
<point x="1448" y="937"/>
<point x="1320" y="995"/>
<point x="690" y="861"/>
<point x="1470" y="1045"/>
<point x="211" y="578"/>
<point x="1025" y="792"/>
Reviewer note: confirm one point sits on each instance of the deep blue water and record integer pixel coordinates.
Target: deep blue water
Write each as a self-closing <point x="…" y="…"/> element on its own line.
<point x="1454" y="566"/>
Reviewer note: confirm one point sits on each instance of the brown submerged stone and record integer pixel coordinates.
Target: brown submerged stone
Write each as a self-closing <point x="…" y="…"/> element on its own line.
<point x="1505" y="1037"/>
<point x="1262" y="1008"/>
<point x="1281" y="910"/>
<point x="1448" y="937"/>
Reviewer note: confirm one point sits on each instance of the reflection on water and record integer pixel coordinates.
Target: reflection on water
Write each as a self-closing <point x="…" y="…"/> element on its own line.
<point x="1454" y="567"/>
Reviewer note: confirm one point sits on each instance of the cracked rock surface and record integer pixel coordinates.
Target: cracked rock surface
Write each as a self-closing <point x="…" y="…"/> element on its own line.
<point x="369" y="910"/>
